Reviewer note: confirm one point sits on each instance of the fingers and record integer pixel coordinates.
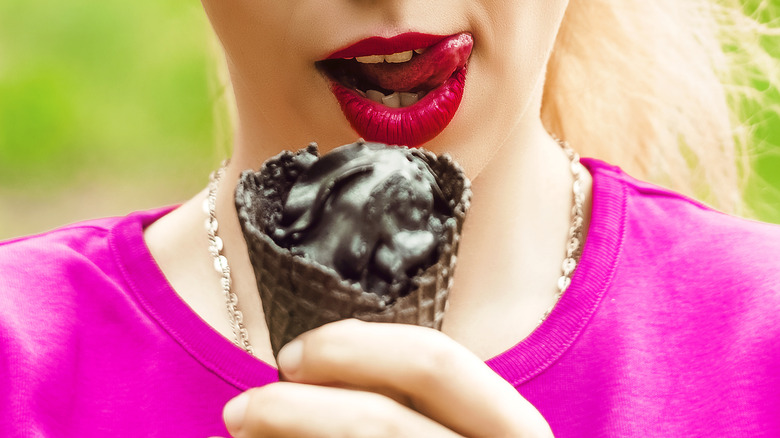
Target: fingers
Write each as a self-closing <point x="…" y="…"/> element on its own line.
<point x="422" y="367"/>
<point x="302" y="411"/>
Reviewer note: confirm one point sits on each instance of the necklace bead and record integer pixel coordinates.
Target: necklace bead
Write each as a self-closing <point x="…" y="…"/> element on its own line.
<point x="236" y="318"/>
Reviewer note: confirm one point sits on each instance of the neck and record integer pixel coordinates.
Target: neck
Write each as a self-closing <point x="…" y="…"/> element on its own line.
<point x="520" y="209"/>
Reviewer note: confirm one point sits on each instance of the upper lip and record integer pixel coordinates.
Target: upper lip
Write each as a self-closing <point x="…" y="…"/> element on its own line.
<point x="387" y="46"/>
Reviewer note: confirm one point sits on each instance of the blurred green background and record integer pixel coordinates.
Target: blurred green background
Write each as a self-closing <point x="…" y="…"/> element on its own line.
<point x="107" y="107"/>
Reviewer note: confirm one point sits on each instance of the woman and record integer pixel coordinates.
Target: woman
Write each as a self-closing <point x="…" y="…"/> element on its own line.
<point x="119" y="326"/>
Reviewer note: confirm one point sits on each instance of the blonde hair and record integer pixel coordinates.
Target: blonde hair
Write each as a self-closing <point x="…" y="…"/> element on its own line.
<point x="653" y="86"/>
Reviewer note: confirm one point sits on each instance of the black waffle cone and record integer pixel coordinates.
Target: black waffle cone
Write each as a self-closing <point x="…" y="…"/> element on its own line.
<point x="299" y="295"/>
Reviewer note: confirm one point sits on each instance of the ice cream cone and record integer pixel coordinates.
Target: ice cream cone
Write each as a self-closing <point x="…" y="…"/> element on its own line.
<point x="299" y="294"/>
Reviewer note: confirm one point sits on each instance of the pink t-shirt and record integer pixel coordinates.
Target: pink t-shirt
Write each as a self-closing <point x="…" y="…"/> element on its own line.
<point x="670" y="328"/>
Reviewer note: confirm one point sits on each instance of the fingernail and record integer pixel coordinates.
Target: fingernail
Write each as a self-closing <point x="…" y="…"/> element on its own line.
<point x="289" y="359"/>
<point x="234" y="413"/>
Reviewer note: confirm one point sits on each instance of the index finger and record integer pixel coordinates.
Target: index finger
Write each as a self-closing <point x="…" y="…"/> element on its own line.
<point x="441" y="378"/>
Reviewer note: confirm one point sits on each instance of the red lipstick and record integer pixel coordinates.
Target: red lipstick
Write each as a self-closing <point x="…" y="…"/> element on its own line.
<point x="438" y="74"/>
<point x="388" y="46"/>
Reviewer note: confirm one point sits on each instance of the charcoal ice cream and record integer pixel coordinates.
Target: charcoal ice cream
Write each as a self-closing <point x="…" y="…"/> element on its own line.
<point x="374" y="214"/>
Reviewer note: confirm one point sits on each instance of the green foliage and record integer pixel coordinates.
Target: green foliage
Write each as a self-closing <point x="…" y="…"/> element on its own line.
<point x="762" y="113"/>
<point x="101" y="95"/>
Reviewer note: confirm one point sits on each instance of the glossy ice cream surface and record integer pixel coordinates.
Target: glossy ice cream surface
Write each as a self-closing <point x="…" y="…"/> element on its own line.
<point x="373" y="213"/>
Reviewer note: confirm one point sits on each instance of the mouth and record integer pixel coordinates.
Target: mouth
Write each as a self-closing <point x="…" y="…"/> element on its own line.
<point x="404" y="90"/>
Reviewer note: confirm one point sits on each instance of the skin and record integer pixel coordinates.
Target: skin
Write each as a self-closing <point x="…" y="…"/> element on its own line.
<point x="512" y="244"/>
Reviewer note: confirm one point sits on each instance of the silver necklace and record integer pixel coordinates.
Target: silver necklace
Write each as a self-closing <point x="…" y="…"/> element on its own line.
<point x="236" y="318"/>
<point x="240" y="334"/>
<point x="574" y="244"/>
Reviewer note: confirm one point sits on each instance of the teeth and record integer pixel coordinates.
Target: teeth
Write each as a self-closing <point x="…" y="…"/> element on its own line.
<point x="399" y="57"/>
<point x="395" y="58"/>
<point x="393" y="100"/>
<point x="371" y="59"/>
<point x="419" y="51"/>
<point x="408" y="99"/>
<point x="397" y="99"/>
<point x="375" y="95"/>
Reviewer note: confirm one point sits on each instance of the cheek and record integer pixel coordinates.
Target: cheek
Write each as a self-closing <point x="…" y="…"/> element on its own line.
<point x="271" y="47"/>
<point x="513" y="40"/>
<point x="243" y="24"/>
<point x="517" y="46"/>
<point x="252" y="35"/>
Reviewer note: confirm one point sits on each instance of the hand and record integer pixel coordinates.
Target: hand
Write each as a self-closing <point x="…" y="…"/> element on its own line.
<point x="358" y="379"/>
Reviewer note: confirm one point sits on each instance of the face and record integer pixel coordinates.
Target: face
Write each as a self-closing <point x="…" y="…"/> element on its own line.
<point x="472" y="79"/>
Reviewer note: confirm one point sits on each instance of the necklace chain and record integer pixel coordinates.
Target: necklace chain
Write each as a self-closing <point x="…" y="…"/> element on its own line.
<point x="236" y="318"/>
<point x="574" y="243"/>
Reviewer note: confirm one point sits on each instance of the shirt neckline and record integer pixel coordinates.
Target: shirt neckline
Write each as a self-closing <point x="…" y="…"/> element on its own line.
<point x="151" y="289"/>
<point x="594" y="273"/>
<point x="531" y="356"/>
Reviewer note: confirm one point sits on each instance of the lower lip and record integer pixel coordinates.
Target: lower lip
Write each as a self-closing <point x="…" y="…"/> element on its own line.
<point x="410" y="126"/>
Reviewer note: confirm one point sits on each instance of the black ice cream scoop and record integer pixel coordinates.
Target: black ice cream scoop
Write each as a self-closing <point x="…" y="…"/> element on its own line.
<point x="373" y="213"/>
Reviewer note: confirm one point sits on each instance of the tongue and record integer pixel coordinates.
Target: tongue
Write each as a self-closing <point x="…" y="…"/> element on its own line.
<point x="423" y="72"/>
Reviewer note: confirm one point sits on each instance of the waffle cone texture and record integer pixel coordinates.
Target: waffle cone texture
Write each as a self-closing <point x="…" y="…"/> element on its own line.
<point x="299" y="294"/>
